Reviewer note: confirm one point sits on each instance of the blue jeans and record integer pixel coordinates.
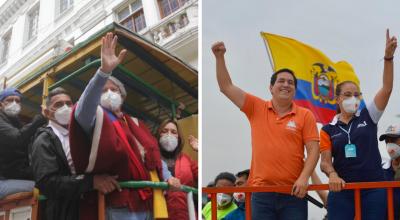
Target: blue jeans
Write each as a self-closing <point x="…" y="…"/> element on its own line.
<point x="271" y="206"/>
<point x="373" y="204"/>
<point x="8" y="187"/>
<point x="125" y="214"/>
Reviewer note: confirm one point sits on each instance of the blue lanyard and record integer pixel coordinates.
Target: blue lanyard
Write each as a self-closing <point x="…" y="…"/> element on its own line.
<point x="347" y="132"/>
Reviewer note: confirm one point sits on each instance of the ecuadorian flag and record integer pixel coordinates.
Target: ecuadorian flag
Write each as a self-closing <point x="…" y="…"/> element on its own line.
<point x="317" y="76"/>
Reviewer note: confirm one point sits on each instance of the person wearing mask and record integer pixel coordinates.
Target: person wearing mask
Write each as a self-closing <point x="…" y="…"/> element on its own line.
<point x="280" y="131"/>
<point x="103" y="139"/>
<point x="53" y="168"/>
<point x="351" y="141"/>
<point x="15" y="172"/>
<point x="240" y="197"/>
<point x="179" y="164"/>
<point x="225" y="203"/>
<point x="391" y="169"/>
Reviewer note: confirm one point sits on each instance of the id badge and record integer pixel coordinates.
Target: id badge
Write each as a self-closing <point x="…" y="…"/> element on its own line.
<point x="350" y="150"/>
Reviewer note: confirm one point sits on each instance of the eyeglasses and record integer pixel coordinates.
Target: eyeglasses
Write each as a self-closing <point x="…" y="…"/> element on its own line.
<point x="349" y="94"/>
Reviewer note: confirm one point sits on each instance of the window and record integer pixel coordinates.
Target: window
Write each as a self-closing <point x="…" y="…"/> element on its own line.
<point x="132" y="16"/>
<point x="169" y="6"/>
<point x="5" y="46"/>
<point x="33" y="18"/>
<point x="65" y="4"/>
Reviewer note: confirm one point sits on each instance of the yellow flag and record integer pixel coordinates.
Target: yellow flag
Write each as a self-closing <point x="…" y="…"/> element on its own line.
<point x="159" y="202"/>
<point x="317" y="75"/>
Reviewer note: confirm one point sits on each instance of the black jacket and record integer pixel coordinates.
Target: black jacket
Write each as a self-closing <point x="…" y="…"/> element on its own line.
<point x="14" y="142"/>
<point x="54" y="179"/>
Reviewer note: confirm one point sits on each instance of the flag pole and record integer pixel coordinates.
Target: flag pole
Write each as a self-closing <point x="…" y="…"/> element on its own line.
<point x="268" y="52"/>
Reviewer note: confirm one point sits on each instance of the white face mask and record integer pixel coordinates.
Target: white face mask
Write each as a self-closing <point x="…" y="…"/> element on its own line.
<point x="223" y="199"/>
<point x="393" y="150"/>
<point x="239" y="196"/>
<point x="351" y="105"/>
<point x="169" y="142"/>
<point x="63" y="114"/>
<point x="12" y="109"/>
<point x="111" y="100"/>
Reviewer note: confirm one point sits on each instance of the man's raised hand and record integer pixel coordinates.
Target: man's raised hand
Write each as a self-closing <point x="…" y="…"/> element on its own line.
<point x="108" y="58"/>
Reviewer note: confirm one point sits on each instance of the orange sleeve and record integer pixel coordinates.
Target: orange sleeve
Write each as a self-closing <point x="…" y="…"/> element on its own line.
<point x="310" y="130"/>
<point x="325" y="143"/>
<point x="248" y="106"/>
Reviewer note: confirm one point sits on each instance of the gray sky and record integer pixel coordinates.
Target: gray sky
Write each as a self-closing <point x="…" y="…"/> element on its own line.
<point x="344" y="30"/>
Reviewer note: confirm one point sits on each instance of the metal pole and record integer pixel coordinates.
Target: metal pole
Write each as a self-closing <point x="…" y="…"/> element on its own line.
<point x="101" y="206"/>
<point x="248" y="205"/>
<point x="357" y="204"/>
<point x="268" y="52"/>
<point x="390" y="203"/>
<point x="213" y="206"/>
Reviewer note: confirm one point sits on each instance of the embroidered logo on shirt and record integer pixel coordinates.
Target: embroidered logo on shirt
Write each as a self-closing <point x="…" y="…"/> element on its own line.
<point x="336" y="135"/>
<point x="362" y="124"/>
<point x="291" y="125"/>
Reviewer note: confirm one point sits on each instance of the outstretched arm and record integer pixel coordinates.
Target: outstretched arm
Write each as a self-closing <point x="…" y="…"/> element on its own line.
<point x="87" y="104"/>
<point x="382" y="96"/>
<point x="234" y="93"/>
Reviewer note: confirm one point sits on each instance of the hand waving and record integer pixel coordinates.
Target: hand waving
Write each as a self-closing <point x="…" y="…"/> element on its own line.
<point x="391" y="44"/>
<point x="193" y="143"/>
<point x="108" y="58"/>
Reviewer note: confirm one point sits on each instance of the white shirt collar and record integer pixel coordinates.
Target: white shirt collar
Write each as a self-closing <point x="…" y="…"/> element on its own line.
<point x="58" y="128"/>
<point x="336" y="118"/>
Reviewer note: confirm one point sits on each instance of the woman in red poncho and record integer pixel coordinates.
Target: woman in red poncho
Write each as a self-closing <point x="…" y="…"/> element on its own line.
<point x="179" y="164"/>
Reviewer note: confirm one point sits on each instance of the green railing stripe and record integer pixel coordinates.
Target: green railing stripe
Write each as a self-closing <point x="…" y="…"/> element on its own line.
<point x="158" y="185"/>
<point x="95" y="63"/>
<point x="151" y="88"/>
<point x="144" y="184"/>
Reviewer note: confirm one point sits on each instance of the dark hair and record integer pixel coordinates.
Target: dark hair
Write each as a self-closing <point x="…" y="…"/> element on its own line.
<point x="225" y="176"/>
<point x="338" y="91"/>
<point x="178" y="150"/>
<point x="54" y="92"/>
<point x="244" y="173"/>
<point x="284" y="70"/>
<point x="389" y="139"/>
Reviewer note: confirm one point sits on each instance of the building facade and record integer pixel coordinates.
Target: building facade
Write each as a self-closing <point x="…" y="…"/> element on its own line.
<point x="34" y="32"/>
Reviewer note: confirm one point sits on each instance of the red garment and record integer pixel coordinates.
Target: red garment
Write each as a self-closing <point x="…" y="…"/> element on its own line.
<point x="186" y="171"/>
<point x="117" y="154"/>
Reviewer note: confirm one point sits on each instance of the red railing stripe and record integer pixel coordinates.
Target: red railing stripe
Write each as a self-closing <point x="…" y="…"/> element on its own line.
<point x="390" y="203"/>
<point x="214" y="206"/>
<point x="248" y="205"/>
<point x="357" y="204"/>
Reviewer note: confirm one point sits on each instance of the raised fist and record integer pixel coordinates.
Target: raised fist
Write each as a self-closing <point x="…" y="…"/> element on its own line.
<point x="218" y="49"/>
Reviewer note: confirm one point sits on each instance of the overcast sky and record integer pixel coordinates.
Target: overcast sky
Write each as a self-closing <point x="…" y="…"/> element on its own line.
<point x="344" y="30"/>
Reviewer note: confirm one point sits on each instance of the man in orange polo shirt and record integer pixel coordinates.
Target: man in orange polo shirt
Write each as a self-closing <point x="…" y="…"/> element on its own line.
<point x="280" y="130"/>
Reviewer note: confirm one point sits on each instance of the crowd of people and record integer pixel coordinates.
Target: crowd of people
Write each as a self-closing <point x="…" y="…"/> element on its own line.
<point x="281" y="131"/>
<point x="70" y="152"/>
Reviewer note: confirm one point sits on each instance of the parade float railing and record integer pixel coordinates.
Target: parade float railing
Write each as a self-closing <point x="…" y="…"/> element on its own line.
<point x="357" y="187"/>
<point x="25" y="205"/>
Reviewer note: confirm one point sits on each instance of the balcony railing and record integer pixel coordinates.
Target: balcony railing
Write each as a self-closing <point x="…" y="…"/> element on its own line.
<point x="179" y="22"/>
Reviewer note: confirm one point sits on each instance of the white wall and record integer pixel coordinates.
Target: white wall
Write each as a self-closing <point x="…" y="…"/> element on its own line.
<point x="85" y="18"/>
